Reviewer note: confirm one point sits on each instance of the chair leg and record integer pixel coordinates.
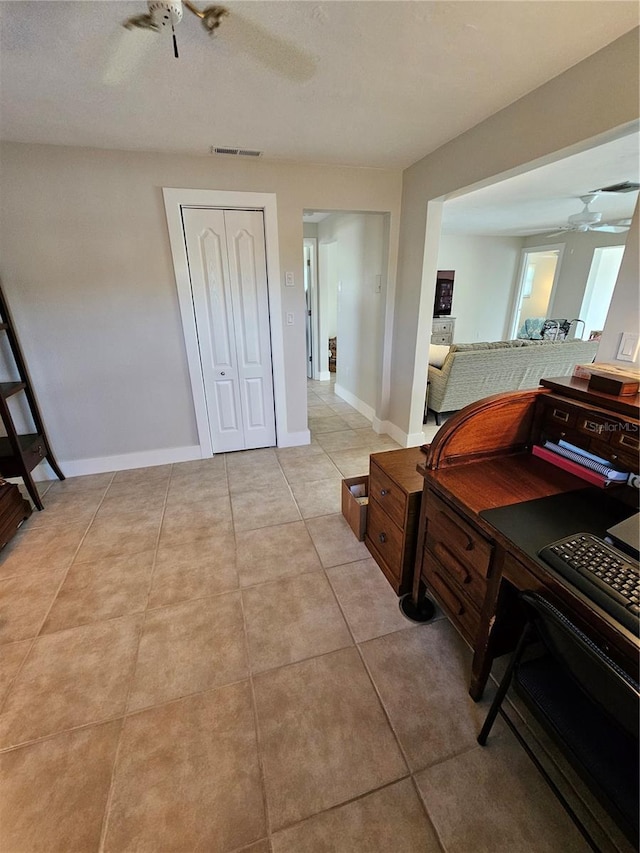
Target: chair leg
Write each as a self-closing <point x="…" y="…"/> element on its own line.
<point x="503" y="687"/>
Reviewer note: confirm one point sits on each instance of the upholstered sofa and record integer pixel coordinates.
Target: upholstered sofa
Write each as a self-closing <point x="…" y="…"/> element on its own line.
<point x="470" y="372"/>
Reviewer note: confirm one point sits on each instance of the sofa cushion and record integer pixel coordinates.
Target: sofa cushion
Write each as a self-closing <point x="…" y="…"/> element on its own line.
<point x="438" y="353"/>
<point x="484" y="345"/>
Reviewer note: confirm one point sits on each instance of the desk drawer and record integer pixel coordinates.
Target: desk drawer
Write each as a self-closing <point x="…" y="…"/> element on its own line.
<point x="386" y="537"/>
<point x="442" y="338"/>
<point x="388" y="494"/>
<point x="596" y="426"/>
<point x="458" y="607"/>
<point x="559" y="416"/>
<point x="449" y="533"/>
<point x="457" y="573"/>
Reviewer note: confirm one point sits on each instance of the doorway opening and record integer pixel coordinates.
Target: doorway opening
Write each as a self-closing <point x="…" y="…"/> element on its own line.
<point x="539" y="271"/>
<point x="603" y="275"/>
<point x="349" y="308"/>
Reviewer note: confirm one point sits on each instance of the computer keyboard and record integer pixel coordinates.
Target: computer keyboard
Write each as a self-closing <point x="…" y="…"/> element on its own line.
<point x="608" y="577"/>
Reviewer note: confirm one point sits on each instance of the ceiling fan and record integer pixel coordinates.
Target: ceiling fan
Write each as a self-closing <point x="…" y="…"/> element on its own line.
<point x="241" y="34"/>
<point x="163" y="15"/>
<point x="591" y="220"/>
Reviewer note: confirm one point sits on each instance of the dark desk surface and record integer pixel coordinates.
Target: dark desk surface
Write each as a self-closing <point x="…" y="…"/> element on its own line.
<point x="533" y="524"/>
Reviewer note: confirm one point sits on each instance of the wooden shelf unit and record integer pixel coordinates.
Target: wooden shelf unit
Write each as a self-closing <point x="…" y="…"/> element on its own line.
<point x="20" y="453"/>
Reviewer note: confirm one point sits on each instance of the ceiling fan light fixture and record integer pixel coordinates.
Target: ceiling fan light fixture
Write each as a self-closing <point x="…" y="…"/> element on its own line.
<point x="165" y="15"/>
<point x="586" y="217"/>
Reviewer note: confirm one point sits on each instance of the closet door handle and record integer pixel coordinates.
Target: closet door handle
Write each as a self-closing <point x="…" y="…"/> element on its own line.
<point x="382" y="537"/>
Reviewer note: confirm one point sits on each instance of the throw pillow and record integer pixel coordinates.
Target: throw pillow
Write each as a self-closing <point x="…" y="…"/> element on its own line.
<point x="437" y="354"/>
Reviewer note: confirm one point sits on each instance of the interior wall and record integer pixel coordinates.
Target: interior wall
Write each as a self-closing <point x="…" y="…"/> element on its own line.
<point x="485" y="269"/>
<point x="360" y="252"/>
<point x="559" y="116"/>
<point x="624" y="311"/>
<point x="87" y="270"/>
<point x="574" y="268"/>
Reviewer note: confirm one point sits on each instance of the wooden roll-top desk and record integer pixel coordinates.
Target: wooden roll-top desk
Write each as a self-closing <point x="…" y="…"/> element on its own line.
<point x="481" y="460"/>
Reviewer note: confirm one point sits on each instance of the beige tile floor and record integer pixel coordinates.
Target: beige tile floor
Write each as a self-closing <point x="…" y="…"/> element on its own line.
<point x="203" y="657"/>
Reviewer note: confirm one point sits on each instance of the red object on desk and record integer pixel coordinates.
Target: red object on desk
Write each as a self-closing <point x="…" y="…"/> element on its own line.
<point x="572" y="467"/>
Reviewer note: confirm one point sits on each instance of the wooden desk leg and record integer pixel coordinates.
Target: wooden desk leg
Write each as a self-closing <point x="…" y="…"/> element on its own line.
<point x="480" y="669"/>
<point x="417" y="606"/>
<point x="483" y="649"/>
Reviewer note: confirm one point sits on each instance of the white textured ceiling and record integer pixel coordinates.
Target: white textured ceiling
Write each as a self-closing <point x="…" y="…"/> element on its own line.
<point x="542" y="199"/>
<point x="359" y="83"/>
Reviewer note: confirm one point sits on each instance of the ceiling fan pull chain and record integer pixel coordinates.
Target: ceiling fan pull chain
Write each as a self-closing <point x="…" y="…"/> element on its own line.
<point x="175" y="43"/>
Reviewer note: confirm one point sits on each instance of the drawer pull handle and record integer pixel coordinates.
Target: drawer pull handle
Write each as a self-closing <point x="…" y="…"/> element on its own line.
<point x="384" y="492"/>
<point x="382" y="537"/>
<point x="451" y="563"/>
<point x="592" y="426"/>
<point x="559" y="415"/>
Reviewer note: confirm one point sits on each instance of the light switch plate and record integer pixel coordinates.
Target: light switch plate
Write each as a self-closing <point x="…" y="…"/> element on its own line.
<point x="289" y="318"/>
<point x="289" y="279"/>
<point x="628" y="349"/>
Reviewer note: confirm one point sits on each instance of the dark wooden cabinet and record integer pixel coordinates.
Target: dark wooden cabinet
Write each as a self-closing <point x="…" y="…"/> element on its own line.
<point x="395" y="490"/>
<point x="14" y="509"/>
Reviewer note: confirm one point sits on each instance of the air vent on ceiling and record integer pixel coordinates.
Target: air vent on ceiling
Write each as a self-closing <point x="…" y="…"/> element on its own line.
<point x="235" y="152"/>
<point x="624" y="187"/>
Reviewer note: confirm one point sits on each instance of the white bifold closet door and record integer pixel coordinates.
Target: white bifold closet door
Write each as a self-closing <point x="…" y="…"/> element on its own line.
<point x="228" y="270"/>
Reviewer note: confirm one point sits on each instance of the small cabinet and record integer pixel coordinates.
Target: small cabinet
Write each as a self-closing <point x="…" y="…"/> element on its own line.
<point x="608" y="435"/>
<point x="442" y="330"/>
<point x="455" y="564"/>
<point x="395" y="490"/>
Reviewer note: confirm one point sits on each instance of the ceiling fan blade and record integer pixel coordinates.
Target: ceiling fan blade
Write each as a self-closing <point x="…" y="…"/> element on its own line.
<point x="613" y="227"/>
<point x="129" y="49"/>
<point x="275" y="53"/>
<point x="558" y="233"/>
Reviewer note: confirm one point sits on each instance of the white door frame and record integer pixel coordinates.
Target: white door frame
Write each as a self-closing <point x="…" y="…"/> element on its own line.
<point x="312" y="243"/>
<point x="517" y="293"/>
<point x="174" y="200"/>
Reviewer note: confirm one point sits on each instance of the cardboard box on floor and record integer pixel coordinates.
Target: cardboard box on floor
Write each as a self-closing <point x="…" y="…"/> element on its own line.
<point x="354" y="508"/>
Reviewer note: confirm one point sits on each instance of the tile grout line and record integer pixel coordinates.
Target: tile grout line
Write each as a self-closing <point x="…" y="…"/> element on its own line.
<point x="402" y="751"/>
<point x="348" y="802"/>
<point x="256" y="723"/>
<point x="53" y="600"/>
<point x="134" y="665"/>
<point x="121" y="716"/>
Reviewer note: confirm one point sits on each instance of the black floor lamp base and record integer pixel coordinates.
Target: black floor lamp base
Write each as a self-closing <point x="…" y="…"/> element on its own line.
<point x="424" y="611"/>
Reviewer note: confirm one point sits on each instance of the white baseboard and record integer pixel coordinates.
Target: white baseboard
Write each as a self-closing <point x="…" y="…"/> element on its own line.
<point x="123" y="462"/>
<point x="295" y="439"/>
<point x="356" y="402"/>
<point x="324" y="376"/>
<point x="404" y="439"/>
<point x="144" y="459"/>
